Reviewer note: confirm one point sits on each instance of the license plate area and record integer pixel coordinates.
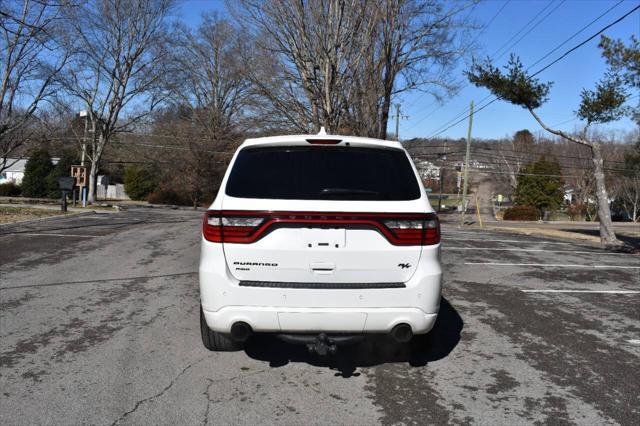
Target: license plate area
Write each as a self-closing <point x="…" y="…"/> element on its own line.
<point x="320" y="238"/>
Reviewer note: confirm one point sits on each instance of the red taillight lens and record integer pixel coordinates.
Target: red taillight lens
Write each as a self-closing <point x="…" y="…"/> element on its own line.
<point x="431" y="231"/>
<point x="415" y="232"/>
<point x="218" y="228"/>
<point x="245" y="227"/>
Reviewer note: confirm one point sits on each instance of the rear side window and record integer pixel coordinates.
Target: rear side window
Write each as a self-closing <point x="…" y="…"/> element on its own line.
<point x="322" y="173"/>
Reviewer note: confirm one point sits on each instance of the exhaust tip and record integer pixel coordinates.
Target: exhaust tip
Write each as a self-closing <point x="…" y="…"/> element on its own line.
<point x="402" y="333"/>
<point x="240" y="331"/>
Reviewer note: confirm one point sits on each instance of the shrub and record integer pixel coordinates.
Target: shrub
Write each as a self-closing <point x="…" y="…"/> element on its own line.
<point x="63" y="168"/>
<point x="521" y="213"/>
<point x="168" y="196"/>
<point x="38" y="167"/>
<point x="140" y="181"/>
<point x="577" y="211"/>
<point x="10" y="189"/>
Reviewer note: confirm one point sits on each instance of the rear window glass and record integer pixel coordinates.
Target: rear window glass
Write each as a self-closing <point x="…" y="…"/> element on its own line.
<point x="322" y="173"/>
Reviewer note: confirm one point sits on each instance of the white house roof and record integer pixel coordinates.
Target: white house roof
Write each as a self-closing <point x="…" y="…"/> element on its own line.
<point x="19" y="165"/>
<point x="16" y="165"/>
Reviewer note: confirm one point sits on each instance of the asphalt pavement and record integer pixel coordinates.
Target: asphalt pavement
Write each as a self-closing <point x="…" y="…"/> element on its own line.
<point x="99" y="325"/>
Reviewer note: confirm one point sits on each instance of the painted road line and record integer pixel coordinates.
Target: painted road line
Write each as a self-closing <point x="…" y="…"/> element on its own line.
<point x="584" y="291"/>
<point x="518" y="241"/>
<point x="554" y="265"/>
<point x="532" y="250"/>
<point x="634" y="341"/>
<point x="446" y="231"/>
<point x="59" y="235"/>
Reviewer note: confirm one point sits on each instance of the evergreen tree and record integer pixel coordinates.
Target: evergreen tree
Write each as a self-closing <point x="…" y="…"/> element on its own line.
<point x="540" y="185"/>
<point x="63" y="168"/>
<point x="38" y="167"/>
<point x="140" y="181"/>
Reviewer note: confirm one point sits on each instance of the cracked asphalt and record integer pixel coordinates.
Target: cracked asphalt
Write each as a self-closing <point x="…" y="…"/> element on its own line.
<point x="99" y="325"/>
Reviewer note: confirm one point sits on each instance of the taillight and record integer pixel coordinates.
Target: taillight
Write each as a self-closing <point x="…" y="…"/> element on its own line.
<point x="431" y="231"/>
<point x="229" y="229"/>
<point x="416" y="232"/>
<point x="245" y="227"/>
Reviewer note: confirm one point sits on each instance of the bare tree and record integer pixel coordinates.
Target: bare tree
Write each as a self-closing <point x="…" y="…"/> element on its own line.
<point x="510" y="156"/>
<point x="116" y="73"/>
<point x="208" y="78"/>
<point x="627" y="183"/>
<point x="30" y="33"/>
<point x="627" y="190"/>
<point x="313" y="48"/>
<point x="214" y="96"/>
<point x="415" y="46"/>
<point x="339" y="63"/>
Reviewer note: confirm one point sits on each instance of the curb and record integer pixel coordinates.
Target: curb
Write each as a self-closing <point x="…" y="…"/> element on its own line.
<point x="173" y="207"/>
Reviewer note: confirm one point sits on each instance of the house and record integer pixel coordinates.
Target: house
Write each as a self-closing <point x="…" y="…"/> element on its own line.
<point x="15" y="172"/>
<point x="428" y="170"/>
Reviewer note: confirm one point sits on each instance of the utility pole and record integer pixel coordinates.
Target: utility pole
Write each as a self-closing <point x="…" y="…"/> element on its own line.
<point x="466" y="166"/>
<point x="443" y="158"/>
<point x="398" y="122"/>
<point x="84" y="114"/>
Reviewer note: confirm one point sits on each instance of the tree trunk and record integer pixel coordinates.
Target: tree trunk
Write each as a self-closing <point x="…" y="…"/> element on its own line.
<point x="384" y="117"/>
<point x="93" y="175"/>
<point x="607" y="234"/>
<point x="96" y="155"/>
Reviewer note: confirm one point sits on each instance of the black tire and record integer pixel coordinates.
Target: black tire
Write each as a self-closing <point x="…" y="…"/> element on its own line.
<point x="215" y="341"/>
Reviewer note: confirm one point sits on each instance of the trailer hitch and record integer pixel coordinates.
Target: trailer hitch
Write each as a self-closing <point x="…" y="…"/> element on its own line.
<point x="322" y="345"/>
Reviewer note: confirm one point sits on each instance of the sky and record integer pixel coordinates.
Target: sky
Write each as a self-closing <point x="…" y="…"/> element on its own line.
<point x="556" y="21"/>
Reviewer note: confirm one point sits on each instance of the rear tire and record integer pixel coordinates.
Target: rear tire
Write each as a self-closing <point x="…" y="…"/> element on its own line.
<point x="215" y="341"/>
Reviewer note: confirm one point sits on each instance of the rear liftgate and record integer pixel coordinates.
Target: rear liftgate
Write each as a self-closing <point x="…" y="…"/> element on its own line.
<point x="323" y="250"/>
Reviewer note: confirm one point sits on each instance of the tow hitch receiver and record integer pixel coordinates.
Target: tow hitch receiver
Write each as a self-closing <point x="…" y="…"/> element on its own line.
<point x="322" y="345"/>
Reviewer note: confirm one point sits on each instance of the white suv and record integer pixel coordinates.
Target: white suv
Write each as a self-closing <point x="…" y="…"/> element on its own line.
<point x="319" y="240"/>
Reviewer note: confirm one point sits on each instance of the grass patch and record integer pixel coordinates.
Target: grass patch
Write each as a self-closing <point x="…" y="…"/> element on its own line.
<point x="18" y="214"/>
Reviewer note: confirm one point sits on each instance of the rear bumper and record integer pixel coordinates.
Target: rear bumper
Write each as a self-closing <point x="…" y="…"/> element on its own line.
<point x="302" y="310"/>
<point x="309" y="320"/>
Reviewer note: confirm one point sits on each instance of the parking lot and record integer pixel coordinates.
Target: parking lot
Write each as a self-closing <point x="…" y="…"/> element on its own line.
<point x="99" y="324"/>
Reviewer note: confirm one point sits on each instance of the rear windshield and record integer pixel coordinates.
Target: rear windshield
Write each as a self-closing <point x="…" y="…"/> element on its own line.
<point x="322" y="173"/>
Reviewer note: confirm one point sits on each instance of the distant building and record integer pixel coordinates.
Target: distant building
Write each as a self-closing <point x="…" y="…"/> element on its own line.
<point x="15" y="172"/>
<point x="428" y="170"/>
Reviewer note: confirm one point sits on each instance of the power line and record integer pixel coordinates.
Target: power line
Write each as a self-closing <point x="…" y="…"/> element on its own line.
<point x="564" y="55"/>
<point x="531" y="29"/>
<point x="545" y="67"/>
<point x="493" y="18"/>
<point x="513" y="153"/>
<point x="577" y="118"/>
<point x="564" y="166"/>
<point x="534" y="153"/>
<point x="508" y="173"/>
<point x="576" y="33"/>
<point x="505" y="44"/>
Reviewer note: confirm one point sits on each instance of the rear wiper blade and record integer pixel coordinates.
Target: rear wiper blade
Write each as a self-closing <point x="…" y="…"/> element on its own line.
<point x="347" y="191"/>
